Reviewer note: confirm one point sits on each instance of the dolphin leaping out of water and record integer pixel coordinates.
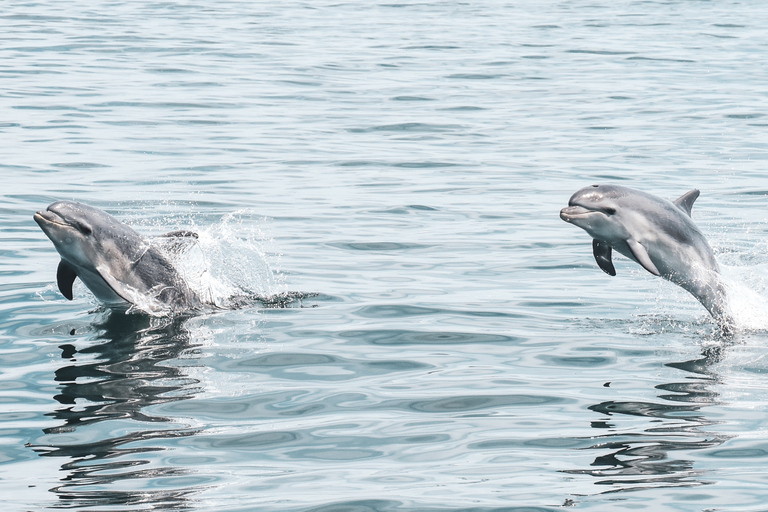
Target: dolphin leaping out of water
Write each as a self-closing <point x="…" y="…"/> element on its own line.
<point x="112" y="260"/>
<point x="658" y="234"/>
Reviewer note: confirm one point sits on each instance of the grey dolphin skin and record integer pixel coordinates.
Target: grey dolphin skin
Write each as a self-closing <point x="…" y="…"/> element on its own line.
<point x="111" y="259"/>
<point x="658" y="234"/>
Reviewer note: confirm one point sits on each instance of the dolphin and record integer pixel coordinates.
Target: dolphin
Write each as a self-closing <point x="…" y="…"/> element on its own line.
<point x="658" y="234"/>
<point x="117" y="264"/>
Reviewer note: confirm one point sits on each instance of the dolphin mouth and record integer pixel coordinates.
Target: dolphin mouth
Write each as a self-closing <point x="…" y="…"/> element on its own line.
<point x="48" y="218"/>
<point x="575" y="212"/>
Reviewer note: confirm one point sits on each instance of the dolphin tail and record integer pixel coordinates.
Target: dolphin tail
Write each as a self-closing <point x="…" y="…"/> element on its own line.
<point x="711" y="290"/>
<point x="720" y="312"/>
<point x="718" y="306"/>
<point x="65" y="278"/>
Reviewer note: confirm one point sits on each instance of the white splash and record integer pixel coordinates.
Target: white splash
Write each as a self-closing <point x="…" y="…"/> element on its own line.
<point x="228" y="261"/>
<point x="743" y="258"/>
<point x="747" y="291"/>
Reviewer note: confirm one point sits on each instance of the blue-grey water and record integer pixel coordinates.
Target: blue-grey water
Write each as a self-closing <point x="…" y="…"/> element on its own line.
<point x="400" y="166"/>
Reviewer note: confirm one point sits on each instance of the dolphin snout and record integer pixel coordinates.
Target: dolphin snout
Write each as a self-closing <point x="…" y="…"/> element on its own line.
<point x="42" y="216"/>
<point x="571" y="212"/>
<point x="47" y="216"/>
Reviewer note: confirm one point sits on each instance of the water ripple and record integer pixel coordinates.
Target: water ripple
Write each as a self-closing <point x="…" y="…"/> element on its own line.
<point x="421" y="332"/>
<point x="397" y="337"/>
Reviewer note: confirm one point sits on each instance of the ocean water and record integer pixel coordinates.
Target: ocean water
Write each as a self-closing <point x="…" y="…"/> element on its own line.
<point x="394" y="171"/>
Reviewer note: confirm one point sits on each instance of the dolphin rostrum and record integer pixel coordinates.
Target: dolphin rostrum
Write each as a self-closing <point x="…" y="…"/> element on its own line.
<point x="120" y="267"/>
<point x="658" y="234"/>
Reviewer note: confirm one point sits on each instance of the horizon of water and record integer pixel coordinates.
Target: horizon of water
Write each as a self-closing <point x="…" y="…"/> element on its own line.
<point x="401" y="167"/>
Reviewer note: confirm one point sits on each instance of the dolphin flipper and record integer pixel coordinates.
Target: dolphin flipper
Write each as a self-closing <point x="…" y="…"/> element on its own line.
<point x="119" y="288"/>
<point x="641" y="256"/>
<point x="685" y="201"/>
<point x="602" y="252"/>
<point x="65" y="278"/>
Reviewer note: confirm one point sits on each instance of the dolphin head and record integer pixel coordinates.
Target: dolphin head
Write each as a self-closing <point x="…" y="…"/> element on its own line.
<point x="84" y="236"/>
<point x="596" y="209"/>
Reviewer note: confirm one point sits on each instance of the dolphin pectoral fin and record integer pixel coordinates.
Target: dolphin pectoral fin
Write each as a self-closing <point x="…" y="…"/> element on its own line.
<point x="181" y="233"/>
<point x="117" y="287"/>
<point x="641" y="255"/>
<point x="65" y="278"/>
<point x="602" y="252"/>
<point x="685" y="201"/>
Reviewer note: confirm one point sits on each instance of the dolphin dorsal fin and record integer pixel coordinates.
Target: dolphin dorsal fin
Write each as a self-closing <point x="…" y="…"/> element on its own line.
<point x="685" y="201"/>
<point x="176" y="242"/>
<point x="65" y="278"/>
<point x="180" y="234"/>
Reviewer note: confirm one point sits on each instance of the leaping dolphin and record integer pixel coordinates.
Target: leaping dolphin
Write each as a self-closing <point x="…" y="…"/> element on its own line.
<point x="658" y="234"/>
<point x="112" y="260"/>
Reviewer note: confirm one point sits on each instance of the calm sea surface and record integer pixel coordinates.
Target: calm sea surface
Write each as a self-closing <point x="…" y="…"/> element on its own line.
<point x="400" y="166"/>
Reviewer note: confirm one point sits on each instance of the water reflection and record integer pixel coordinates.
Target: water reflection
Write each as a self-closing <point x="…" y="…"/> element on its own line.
<point x="106" y="430"/>
<point x="649" y="459"/>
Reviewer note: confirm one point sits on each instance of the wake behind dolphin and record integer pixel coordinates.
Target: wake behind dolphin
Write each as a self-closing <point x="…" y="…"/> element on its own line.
<point x="117" y="264"/>
<point x="658" y="234"/>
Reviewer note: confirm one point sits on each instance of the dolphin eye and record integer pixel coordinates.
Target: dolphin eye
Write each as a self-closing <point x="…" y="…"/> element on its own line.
<point x="84" y="228"/>
<point x="609" y="211"/>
